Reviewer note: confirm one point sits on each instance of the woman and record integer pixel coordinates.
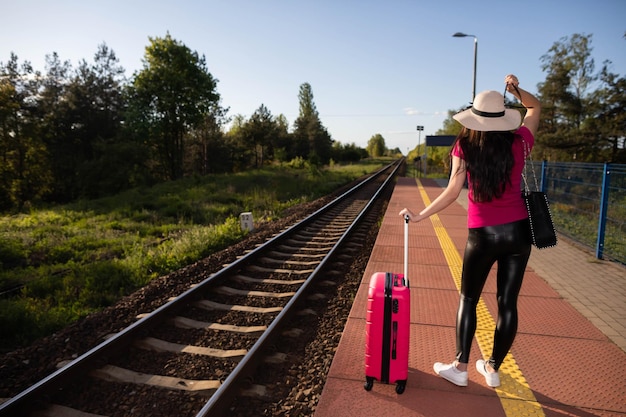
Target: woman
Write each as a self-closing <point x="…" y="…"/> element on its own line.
<point x="489" y="151"/>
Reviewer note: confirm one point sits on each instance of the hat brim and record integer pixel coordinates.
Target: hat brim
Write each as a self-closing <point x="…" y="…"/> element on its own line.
<point x="510" y="121"/>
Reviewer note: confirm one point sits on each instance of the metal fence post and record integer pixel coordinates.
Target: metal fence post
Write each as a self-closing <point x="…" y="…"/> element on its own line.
<point x="544" y="169"/>
<point x="604" y="203"/>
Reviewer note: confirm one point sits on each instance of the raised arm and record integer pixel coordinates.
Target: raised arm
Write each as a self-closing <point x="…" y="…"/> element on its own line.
<point x="532" y="104"/>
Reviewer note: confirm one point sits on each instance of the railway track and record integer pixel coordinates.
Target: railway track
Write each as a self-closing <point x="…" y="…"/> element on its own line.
<point x="194" y="355"/>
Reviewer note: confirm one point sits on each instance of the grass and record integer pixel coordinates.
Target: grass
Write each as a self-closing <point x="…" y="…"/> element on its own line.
<point x="582" y="225"/>
<point x="75" y="259"/>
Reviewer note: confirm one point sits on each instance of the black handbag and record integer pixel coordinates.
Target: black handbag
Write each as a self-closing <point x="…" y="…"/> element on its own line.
<point x="540" y="218"/>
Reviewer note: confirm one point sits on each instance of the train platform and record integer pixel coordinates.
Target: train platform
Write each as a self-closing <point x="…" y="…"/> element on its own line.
<point x="569" y="357"/>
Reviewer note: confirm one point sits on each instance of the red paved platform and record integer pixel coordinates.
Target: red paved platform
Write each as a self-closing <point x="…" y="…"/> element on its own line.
<point x="570" y="367"/>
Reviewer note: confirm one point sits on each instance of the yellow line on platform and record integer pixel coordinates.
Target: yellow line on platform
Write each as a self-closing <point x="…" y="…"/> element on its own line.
<point x="514" y="392"/>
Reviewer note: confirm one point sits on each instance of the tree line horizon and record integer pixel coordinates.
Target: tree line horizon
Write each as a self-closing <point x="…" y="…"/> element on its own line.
<point x="89" y="131"/>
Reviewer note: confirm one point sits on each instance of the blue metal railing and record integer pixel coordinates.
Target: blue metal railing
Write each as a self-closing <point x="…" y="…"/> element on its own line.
<point x="588" y="203"/>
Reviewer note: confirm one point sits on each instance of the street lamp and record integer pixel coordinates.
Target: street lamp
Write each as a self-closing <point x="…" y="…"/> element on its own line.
<point x="464" y="35"/>
<point x="419" y="140"/>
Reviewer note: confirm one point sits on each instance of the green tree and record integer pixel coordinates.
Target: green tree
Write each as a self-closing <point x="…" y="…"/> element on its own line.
<point x="608" y="121"/>
<point x="172" y="94"/>
<point x="282" y="142"/>
<point x="348" y="152"/>
<point x="95" y="96"/>
<point x="565" y="98"/>
<point x="376" y="146"/>
<point x="207" y="151"/>
<point x="260" y="131"/>
<point x="24" y="170"/>
<point x="58" y="123"/>
<point x="81" y="120"/>
<point x="311" y="139"/>
<point x="396" y="152"/>
<point x="239" y="152"/>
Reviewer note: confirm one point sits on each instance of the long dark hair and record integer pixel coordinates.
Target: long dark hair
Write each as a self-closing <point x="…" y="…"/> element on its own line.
<point x="489" y="160"/>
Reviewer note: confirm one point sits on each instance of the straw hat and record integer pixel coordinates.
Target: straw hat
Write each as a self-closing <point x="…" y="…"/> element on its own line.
<point x="488" y="114"/>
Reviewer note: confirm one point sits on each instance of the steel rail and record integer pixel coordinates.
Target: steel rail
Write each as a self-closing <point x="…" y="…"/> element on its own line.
<point x="222" y="398"/>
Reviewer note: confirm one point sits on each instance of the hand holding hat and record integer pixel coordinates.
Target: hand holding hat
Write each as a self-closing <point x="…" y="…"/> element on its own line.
<point x="511" y="82"/>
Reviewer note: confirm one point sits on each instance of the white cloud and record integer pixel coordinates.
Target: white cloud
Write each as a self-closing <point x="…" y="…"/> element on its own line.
<point x="410" y="111"/>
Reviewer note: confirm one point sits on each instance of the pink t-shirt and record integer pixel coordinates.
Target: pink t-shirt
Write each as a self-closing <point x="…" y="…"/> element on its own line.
<point x="510" y="206"/>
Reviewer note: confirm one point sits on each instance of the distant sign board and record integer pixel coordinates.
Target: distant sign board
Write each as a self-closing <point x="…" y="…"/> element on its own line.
<point x="440" y="140"/>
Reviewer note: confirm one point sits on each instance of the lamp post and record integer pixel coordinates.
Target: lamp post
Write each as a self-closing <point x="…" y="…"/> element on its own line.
<point x="419" y="140"/>
<point x="464" y="35"/>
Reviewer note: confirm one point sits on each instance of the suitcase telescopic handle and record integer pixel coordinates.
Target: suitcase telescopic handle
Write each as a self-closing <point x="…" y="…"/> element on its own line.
<point x="406" y="248"/>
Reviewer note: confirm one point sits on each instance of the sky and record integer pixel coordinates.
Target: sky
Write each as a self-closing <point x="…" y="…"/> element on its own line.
<point x="375" y="67"/>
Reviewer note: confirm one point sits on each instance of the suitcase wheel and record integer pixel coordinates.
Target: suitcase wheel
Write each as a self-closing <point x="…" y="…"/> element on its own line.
<point x="400" y="387"/>
<point x="369" y="383"/>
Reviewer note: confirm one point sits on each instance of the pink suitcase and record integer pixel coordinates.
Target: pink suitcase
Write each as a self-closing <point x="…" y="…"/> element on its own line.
<point x="387" y="327"/>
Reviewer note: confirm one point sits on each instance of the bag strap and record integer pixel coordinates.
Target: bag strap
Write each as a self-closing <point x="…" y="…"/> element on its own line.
<point x="528" y="158"/>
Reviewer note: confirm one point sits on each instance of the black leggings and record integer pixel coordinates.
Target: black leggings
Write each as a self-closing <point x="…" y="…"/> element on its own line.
<point x="509" y="246"/>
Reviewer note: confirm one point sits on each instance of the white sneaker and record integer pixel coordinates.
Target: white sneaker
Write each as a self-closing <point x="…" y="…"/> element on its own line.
<point x="450" y="372"/>
<point x="492" y="379"/>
